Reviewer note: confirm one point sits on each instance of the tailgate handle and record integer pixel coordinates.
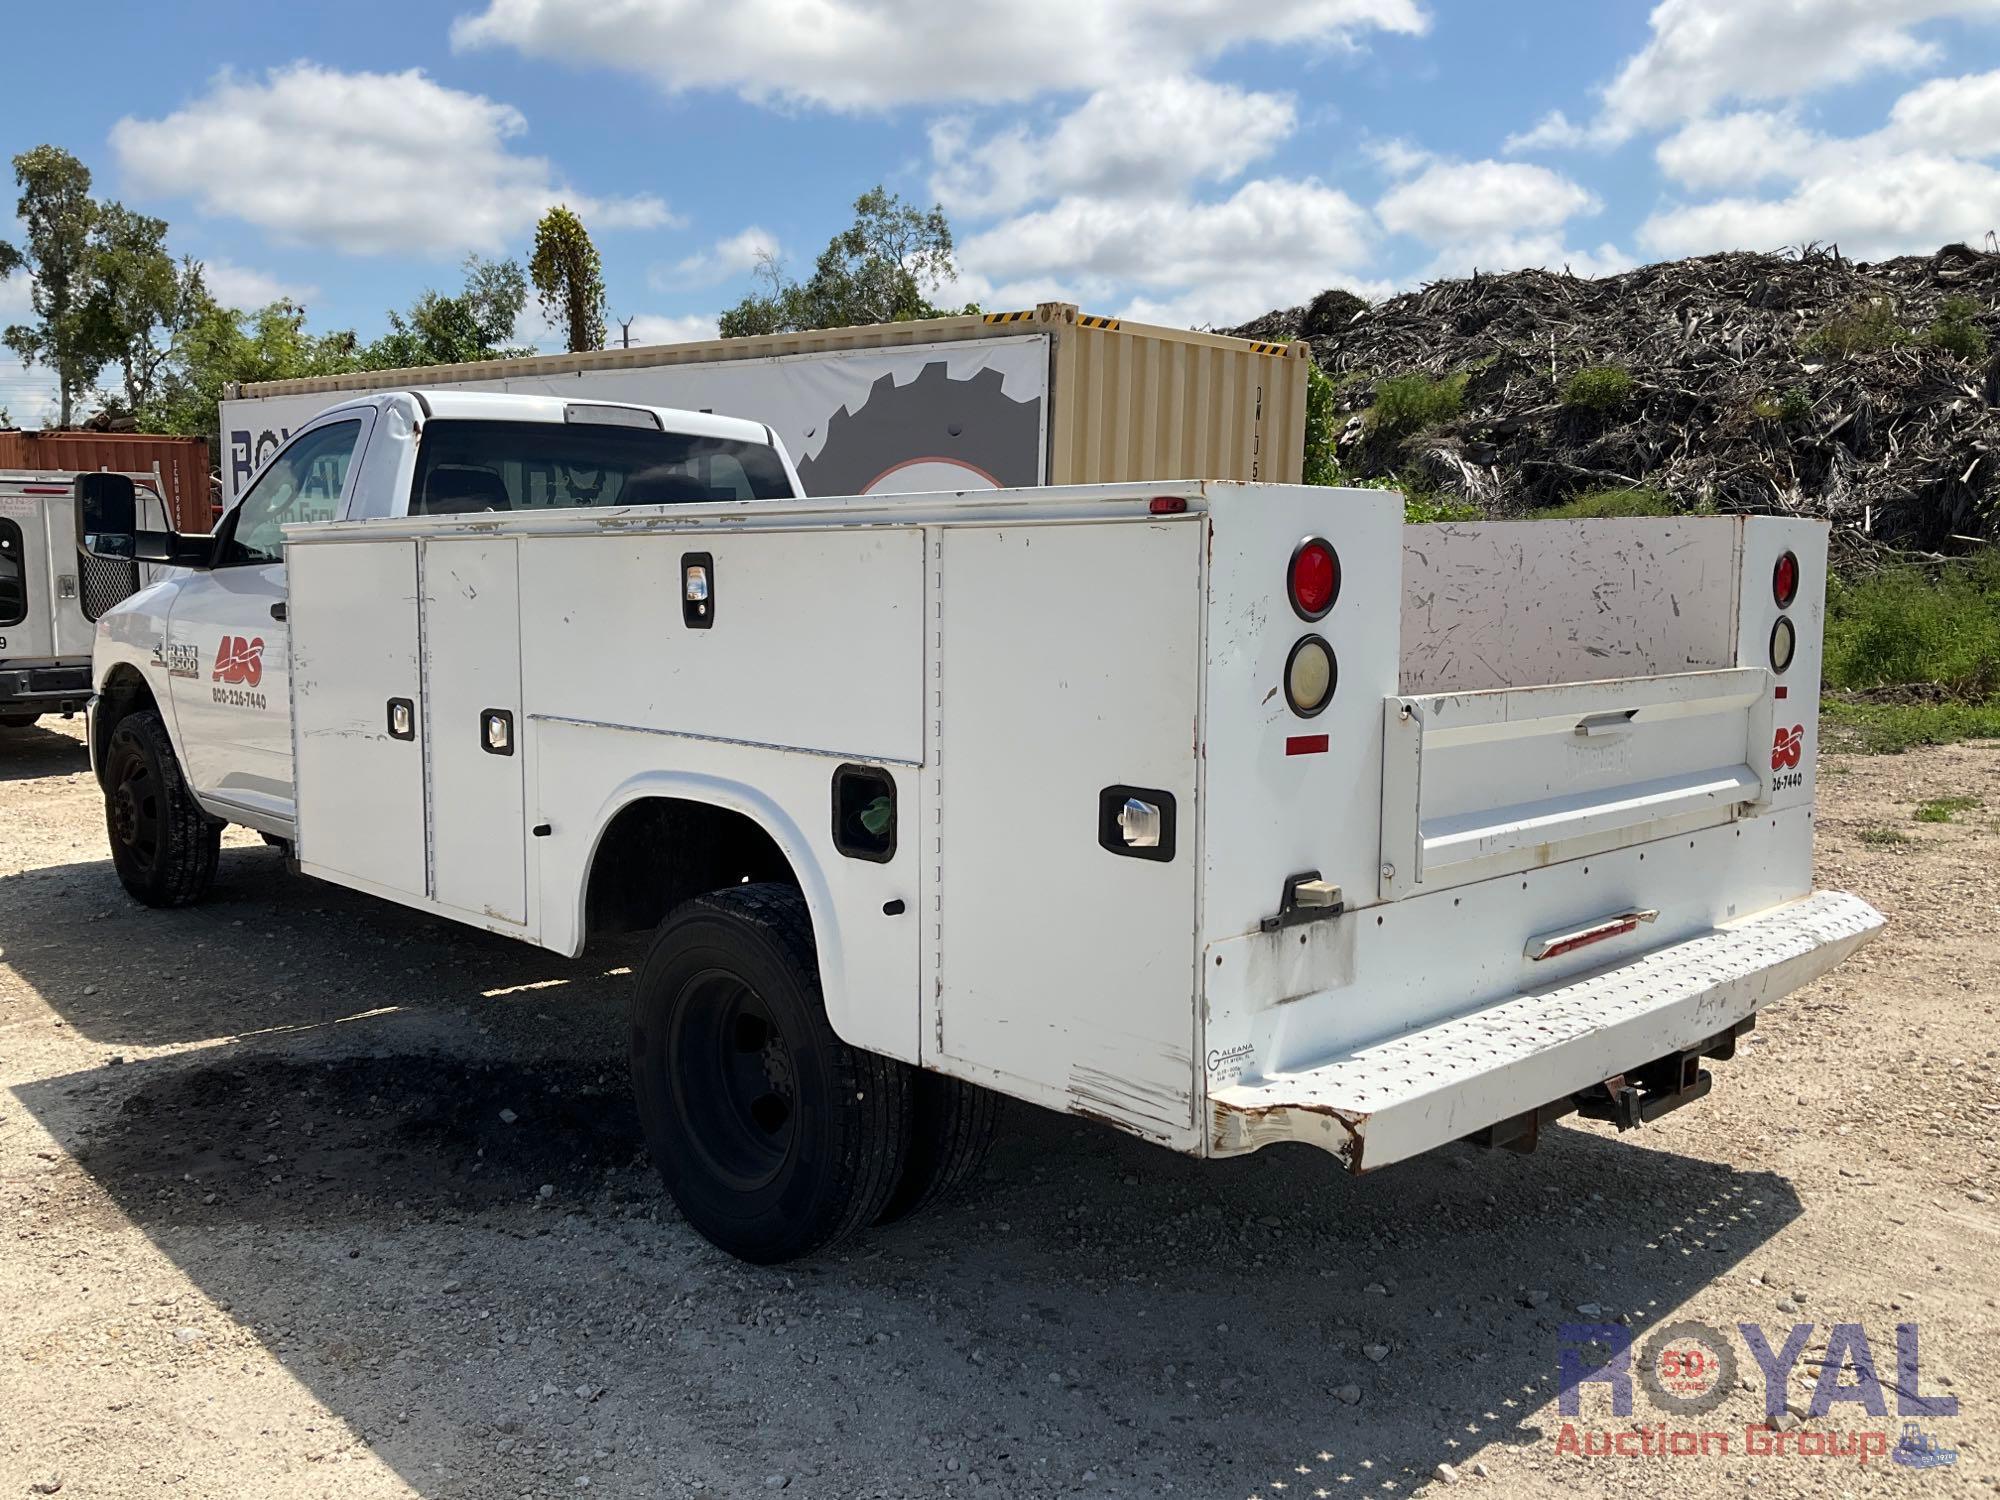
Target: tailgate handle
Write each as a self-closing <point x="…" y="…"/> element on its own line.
<point x="1555" y="944"/>
<point x="1615" y="722"/>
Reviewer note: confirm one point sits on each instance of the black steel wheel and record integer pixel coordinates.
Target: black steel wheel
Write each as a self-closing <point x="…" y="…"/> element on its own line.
<point x="774" y="1137"/>
<point x="163" y="846"/>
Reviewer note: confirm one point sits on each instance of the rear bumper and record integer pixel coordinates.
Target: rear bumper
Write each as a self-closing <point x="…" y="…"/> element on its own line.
<point x="55" y="688"/>
<point x="1395" y="1098"/>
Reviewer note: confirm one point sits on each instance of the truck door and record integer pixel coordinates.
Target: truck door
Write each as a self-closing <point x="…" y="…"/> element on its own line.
<point x="472" y="699"/>
<point x="226" y="645"/>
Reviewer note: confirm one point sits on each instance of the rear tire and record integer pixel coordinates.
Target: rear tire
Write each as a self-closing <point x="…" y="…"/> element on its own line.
<point x="774" y="1137"/>
<point x="952" y="1129"/>
<point x="19" y="721"/>
<point x="163" y="845"/>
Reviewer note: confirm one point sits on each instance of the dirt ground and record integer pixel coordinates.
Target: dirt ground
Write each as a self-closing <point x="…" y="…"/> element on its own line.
<point x="267" y="1231"/>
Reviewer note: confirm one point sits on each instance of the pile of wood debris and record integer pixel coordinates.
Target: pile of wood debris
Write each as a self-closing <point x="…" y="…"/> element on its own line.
<point x="1801" y="382"/>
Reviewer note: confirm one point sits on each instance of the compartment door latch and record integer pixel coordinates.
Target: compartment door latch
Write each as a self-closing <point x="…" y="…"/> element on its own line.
<point x="1306" y="898"/>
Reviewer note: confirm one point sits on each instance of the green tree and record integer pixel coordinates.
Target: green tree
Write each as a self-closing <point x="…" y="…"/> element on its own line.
<point x="220" y="345"/>
<point x="57" y="212"/>
<point x="139" y="299"/>
<point x="441" y="330"/>
<point x="569" y="278"/>
<point x="883" y="268"/>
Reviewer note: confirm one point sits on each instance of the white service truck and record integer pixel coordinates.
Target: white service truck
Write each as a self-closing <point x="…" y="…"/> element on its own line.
<point x="51" y="595"/>
<point x="1226" y="814"/>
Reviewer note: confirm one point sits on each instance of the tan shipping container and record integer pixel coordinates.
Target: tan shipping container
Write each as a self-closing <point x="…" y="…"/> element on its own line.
<point x="179" y="465"/>
<point x="1120" y="401"/>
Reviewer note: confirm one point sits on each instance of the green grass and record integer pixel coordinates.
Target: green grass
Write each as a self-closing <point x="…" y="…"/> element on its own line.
<point x="1891" y="728"/>
<point x="1883" y="837"/>
<point x="1879" y="838"/>
<point x="1791" y="405"/>
<point x="1598" y="388"/>
<point x="1407" y="404"/>
<point x="1944" y="809"/>
<point x="1603" y="504"/>
<point x="1859" y="328"/>
<point x="1421" y="508"/>
<point x="1956" y="329"/>
<point x="1910" y="625"/>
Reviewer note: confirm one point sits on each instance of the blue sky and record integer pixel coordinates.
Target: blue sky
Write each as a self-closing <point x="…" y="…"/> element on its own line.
<point x="1184" y="161"/>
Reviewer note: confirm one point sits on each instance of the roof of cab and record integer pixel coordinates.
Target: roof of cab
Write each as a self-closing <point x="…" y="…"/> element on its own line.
<point x="498" y="406"/>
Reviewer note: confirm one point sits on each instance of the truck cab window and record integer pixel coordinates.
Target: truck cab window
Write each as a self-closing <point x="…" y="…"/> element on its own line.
<point x="472" y="466"/>
<point x="303" y="483"/>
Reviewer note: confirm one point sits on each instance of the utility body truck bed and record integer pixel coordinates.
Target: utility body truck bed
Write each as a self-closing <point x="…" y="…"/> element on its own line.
<point x="1223" y="813"/>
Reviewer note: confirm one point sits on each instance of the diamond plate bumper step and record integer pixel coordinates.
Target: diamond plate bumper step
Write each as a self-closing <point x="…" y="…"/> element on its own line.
<point x="1395" y="1098"/>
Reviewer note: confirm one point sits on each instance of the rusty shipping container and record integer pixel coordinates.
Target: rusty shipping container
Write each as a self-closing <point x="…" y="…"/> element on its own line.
<point x="179" y="465"/>
<point x="1048" y="395"/>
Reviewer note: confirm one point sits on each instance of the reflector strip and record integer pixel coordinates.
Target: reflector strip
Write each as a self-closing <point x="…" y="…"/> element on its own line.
<point x="1167" y="505"/>
<point x="1554" y="944"/>
<point x="1782" y="692"/>
<point x="45" y="489"/>
<point x="1305" y="744"/>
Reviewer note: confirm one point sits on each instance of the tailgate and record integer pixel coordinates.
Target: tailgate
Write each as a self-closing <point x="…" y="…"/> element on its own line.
<point x="1485" y="783"/>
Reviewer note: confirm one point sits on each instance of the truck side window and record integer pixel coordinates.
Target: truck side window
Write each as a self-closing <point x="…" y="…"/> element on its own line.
<point x="13" y="575"/>
<point x="303" y="483"/>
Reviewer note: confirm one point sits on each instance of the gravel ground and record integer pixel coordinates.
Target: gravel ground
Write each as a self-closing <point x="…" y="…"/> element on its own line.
<point x="268" y="1231"/>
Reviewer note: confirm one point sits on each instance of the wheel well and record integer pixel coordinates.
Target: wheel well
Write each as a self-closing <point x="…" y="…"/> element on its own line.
<point x="124" y="692"/>
<point x="660" y="851"/>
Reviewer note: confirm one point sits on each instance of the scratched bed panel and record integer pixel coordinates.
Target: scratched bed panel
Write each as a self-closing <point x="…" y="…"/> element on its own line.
<point x="1494" y="604"/>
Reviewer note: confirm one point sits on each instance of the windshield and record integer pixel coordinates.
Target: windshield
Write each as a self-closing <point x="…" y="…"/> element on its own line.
<point x="468" y="466"/>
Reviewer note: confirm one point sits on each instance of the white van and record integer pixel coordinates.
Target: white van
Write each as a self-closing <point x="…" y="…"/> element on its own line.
<point x="51" y="594"/>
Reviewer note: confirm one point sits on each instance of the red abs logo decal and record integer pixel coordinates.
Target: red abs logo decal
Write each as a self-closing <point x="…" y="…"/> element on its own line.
<point x="1789" y="747"/>
<point x="239" y="660"/>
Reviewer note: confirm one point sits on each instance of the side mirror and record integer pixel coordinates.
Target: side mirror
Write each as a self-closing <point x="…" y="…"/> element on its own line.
<point x="107" y="515"/>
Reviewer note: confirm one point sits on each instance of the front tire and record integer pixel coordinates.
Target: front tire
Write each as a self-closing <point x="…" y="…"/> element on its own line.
<point x="163" y="845"/>
<point x="774" y="1137"/>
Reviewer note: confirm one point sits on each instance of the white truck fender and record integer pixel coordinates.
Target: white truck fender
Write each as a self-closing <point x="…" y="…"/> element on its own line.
<point x="767" y="814"/>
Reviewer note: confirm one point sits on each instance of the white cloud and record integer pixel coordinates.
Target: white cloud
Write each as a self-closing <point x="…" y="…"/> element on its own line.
<point x="1398" y="157"/>
<point x="865" y="54"/>
<point x="1271" y="243"/>
<point x="683" y="328"/>
<point x="1494" y="253"/>
<point x="1959" y="115"/>
<point x="1918" y="182"/>
<point x="16" y="291"/>
<point x="365" y="162"/>
<point x="1132" y="139"/>
<point x="1889" y="205"/>
<point x="246" y="288"/>
<point x="1736" y="150"/>
<point x="1461" y="200"/>
<point x="740" y="252"/>
<point x="1704" y="53"/>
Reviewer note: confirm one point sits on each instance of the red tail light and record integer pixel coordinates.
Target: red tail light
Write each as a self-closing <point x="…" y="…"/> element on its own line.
<point x="1785" y="580"/>
<point x="1314" y="578"/>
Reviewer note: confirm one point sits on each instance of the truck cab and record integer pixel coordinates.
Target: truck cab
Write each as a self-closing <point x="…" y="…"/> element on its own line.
<point x="208" y="649"/>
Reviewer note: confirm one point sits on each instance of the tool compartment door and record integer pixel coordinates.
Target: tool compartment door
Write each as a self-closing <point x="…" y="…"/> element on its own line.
<point x="472" y="677"/>
<point x="1070" y="659"/>
<point x="353" y="618"/>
